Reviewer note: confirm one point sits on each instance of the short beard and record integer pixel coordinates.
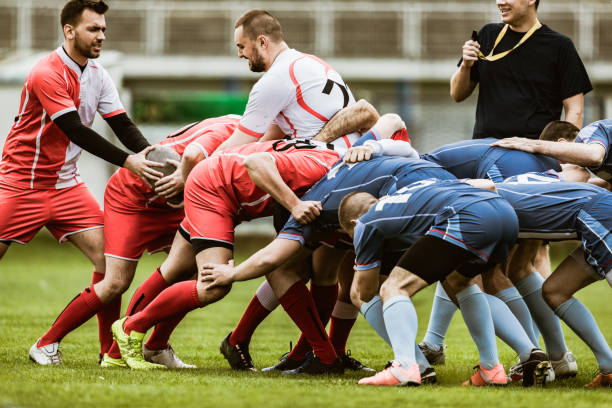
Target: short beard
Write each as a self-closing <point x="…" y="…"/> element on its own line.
<point x="83" y="48"/>
<point x="256" y="62"/>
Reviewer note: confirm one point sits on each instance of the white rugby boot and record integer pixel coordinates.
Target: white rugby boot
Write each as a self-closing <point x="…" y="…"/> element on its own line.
<point x="165" y="357"/>
<point x="566" y="366"/>
<point x="46" y="355"/>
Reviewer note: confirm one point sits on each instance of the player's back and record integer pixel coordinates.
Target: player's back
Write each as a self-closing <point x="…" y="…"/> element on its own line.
<point x="216" y="131"/>
<point x="548" y="210"/>
<point x="460" y="158"/>
<point x="379" y="176"/>
<point x="407" y="214"/>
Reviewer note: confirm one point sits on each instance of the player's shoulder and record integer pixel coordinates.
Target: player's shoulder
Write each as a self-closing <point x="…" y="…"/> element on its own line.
<point x="553" y="36"/>
<point x="50" y="64"/>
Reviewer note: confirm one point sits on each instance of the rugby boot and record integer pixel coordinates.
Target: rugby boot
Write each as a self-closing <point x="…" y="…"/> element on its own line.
<point x="566" y="366"/>
<point x="313" y="366"/>
<point x="395" y="375"/>
<point x="165" y="357"/>
<point x="237" y="356"/>
<point x="435" y="357"/>
<point x="602" y="380"/>
<point x="109" y="362"/>
<point x="494" y="376"/>
<point x="428" y="376"/>
<point x="354" y="365"/>
<point x="46" y="355"/>
<point x="130" y="346"/>
<point x="535" y="368"/>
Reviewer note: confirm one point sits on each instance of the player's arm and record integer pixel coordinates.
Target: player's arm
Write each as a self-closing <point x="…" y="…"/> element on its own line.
<point x="484" y="184"/>
<point x="264" y="173"/>
<point x="237" y="138"/>
<point x="89" y="140"/>
<point x="574" y="109"/>
<point x="127" y="132"/>
<point x="587" y="155"/>
<point x="359" y="117"/>
<point x="262" y="262"/>
<point x="461" y="84"/>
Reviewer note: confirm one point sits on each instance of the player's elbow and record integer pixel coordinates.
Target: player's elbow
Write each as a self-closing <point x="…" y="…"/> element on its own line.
<point x="596" y="156"/>
<point x="368" y="112"/>
<point x="256" y="161"/>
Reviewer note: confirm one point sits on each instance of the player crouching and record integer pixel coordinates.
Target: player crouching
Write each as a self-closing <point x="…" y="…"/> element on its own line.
<point x="461" y="226"/>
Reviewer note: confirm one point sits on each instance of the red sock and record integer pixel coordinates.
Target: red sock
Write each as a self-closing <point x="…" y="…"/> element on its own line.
<point x="106" y="317"/>
<point x="177" y="299"/>
<point x="339" y="331"/>
<point x="254" y="314"/>
<point x="299" y="305"/>
<point x="324" y="298"/>
<point x="145" y="293"/>
<point x="79" y="310"/>
<point x="161" y="334"/>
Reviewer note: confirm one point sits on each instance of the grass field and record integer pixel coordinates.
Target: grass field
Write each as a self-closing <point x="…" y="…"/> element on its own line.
<point x="36" y="282"/>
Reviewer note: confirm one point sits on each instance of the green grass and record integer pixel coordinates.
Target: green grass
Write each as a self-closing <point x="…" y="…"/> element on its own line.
<point x="36" y="282"/>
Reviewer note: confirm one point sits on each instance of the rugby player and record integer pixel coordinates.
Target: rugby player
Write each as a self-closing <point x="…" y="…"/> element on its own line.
<point x="180" y="263"/>
<point x="298" y="93"/>
<point x="478" y="159"/>
<point x="453" y="220"/>
<point x="590" y="149"/>
<point x="563" y="211"/>
<point x="39" y="181"/>
<point x="136" y="219"/>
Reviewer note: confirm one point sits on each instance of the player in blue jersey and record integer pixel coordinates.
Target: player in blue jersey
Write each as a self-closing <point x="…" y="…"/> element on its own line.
<point x="591" y="147"/>
<point x="566" y="210"/>
<point x="462" y="226"/>
<point x="478" y="159"/>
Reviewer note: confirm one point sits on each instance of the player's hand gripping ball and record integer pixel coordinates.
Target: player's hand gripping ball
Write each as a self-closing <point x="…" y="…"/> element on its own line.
<point x="161" y="154"/>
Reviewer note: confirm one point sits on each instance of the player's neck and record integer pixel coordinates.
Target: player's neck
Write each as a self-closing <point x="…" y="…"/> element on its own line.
<point x="278" y="49"/>
<point x="74" y="54"/>
<point x="523" y="24"/>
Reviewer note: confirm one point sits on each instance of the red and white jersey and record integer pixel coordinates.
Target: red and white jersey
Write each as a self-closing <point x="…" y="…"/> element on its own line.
<point x="37" y="154"/>
<point x="206" y="135"/>
<point x="299" y="93"/>
<point x="225" y="173"/>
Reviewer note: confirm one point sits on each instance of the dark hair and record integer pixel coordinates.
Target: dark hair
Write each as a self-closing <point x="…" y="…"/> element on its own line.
<point x="260" y="22"/>
<point x="537" y="4"/>
<point x="71" y="13"/>
<point x="558" y="129"/>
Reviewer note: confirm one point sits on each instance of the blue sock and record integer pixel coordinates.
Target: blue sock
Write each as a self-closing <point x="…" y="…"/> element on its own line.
<point x="401" y="323"/>
<point x="581" y="321"/>
<point x="550" y="325"/>
<point x="372" y="311"/>
<point x="442" y="311"/>
<point x="508" y="328"/>
<point x="536" y="333"/>
<point x="517" y="306"/>
<point x="477" y="316"/>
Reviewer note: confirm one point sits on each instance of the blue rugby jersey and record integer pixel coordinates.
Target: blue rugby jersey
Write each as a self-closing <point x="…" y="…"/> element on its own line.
<point x="478" y="159"/>
<point x="397" y="221"/>
<point x="599" y="132"/>
<point x="548" y="210"/>
<point x="379" y="176"/>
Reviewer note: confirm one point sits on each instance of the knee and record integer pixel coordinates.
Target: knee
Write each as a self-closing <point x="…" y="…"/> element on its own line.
<point x="98" y="261"/>
<point x="208" y="296"/>
<point x="360" y="295"/>
<point x="552" y="295"/>
<point x="116" y="287"/>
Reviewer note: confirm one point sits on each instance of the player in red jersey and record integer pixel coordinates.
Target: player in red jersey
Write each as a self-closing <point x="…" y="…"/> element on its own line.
<point x="218" y="195"/>
<point x="39" y="181"/>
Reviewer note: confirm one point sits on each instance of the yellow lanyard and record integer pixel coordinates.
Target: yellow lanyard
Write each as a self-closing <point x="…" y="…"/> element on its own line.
<point x="501" y="34"/>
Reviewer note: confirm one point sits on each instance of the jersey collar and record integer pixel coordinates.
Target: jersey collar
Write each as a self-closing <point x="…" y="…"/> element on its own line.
<point x="70" y="62"/>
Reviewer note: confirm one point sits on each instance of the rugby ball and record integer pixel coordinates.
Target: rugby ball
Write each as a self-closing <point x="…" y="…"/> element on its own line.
<point x="160" y="154"/>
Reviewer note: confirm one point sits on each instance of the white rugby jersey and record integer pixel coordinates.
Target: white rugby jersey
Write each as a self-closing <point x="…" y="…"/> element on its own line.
<point x="37" y="154"/>
<point x="299" y="93"/>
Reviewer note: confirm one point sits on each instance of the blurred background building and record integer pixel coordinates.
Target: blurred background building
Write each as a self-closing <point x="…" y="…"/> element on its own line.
<point x="175" y="61"/>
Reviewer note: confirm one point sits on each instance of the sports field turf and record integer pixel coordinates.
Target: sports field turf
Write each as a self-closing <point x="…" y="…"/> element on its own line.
<point x="36" y="282"/>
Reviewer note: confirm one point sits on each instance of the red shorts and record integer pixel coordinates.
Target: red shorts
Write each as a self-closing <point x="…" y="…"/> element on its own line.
<point x="66" y="211"/>
<point x="208" y="213"/>
<point x="130" y="229"/>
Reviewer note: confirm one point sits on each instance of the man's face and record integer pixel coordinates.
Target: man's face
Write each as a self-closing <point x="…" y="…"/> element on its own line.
<point x="89" y="34"/>
<point x="513" y="10"/>
<point x="247" y="49"/>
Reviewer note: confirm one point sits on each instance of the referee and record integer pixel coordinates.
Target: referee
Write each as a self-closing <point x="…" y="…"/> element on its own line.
<point x="527" y="74"/>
